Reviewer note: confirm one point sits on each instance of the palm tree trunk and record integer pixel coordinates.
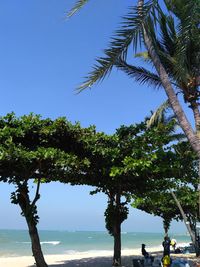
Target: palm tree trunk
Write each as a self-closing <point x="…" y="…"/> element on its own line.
<point x="173" y="100"/>
<point x="195" y="109"/>
<point x="191" y="233"/>
<point x="192" y="137"/>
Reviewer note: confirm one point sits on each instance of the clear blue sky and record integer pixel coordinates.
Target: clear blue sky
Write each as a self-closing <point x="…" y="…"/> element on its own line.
<point x="43" y="58"/>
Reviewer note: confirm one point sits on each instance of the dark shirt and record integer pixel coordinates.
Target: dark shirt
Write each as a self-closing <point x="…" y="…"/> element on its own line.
<point x="145" y="253"/>
<point x="166" y="246"/>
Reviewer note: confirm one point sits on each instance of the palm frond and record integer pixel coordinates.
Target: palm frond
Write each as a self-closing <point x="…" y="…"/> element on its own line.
<point x="163" y="46"/>
<point x="79" y="4"/>
<point x="144" y="55"/>
<point x="158" y="115"/>
<point x="179" y="137"/>
<point x="130" y="33"/>
<point x="168" y="40"/>
<point x="140" y="74"/>
<point x="188" y="36"/>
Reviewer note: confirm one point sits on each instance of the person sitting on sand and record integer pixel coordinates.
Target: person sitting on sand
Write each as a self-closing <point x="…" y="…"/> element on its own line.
<point x="144" y="252"/>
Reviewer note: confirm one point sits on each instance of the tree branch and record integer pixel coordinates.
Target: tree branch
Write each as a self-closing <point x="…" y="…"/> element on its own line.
<point x="37" y="195"/>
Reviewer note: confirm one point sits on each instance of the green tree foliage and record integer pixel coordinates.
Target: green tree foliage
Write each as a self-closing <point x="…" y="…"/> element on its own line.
<point x="133" y="161"/>
<point x="161" y="202"/>
<point x="42" y="150"/>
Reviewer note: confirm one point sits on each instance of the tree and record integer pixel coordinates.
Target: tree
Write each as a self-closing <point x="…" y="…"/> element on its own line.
<point x="162" y="204"/>
<point x="41" y="150"/>
<point x="172" y="41"/>
<point x="132" y="161"/>
<point x="180" y="48"/>
<point x="183" y="189"/>
<point x="183" y="151"/>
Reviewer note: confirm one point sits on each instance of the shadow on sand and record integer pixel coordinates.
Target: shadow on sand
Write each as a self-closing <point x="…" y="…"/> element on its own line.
<point x="92" y="262"/>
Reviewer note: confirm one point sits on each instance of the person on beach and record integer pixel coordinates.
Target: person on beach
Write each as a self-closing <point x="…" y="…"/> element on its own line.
<point x="148" y="258"/>
<point x="173" y="244"/>
<point x="144" y="252"/>
<point x="166" y="246"/>
<point x="166" y="261"/>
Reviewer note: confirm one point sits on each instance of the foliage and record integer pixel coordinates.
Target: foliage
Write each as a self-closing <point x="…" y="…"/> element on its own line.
<point x="175" y="36"/>
<point x="133" y="161"/>
<point x="115" y="213"/>
<point x="161" y="203"/>
<point x="79" y="4"/>
<point x="128" y="35"/>
<point x="42" y="150"/>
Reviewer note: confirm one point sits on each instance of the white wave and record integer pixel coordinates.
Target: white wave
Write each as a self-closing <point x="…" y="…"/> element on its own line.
<point x="54" y="243"/>
<point x="90" y="252"/>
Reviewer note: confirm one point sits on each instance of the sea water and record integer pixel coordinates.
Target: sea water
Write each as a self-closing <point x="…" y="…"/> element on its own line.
<point x="17" y="242"/>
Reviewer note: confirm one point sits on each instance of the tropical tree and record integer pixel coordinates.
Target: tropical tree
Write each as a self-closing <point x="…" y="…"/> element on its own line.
<point x="43" y="150"/>
<point x="175" y="55"/>
<point x="172" y="40"/>
<point x="182" y="192"/>
<point x="158" y="204"/>
<point x="134" y="160"/>
<point x="186" y="156"/>
<point x="161" y="203"/>
<point x="40" y="150"/>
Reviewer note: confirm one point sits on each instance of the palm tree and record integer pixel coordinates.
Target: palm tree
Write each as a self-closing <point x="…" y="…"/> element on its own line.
<point x="159" y="116"/>
<point x="176" y="59"/>
<point x="79" y="4"/>
<point x="172" y="41"/>
<point x="175" y="56"/>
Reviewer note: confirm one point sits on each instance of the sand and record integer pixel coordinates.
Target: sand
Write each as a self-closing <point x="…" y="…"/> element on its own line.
<point x="94" y="259"/>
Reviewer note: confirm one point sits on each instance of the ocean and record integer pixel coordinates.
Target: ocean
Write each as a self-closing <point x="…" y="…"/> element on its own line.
<point x="17" y="242"/>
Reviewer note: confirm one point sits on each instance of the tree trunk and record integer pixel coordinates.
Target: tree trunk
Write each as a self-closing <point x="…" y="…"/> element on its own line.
<point x="166" y="231"/>
<point x="191" y="233"/>
<point x="117" y="244"/>
<point x="197" y="248"/>
<point x="29" y="211"/>
<point x="36" y="247"/>
<point x="166" y="225"/>
<point x="173" y="100"/>
<point x="117" y="234"/>
<point x="192" y="136"/>
<point x="195" y="109"/>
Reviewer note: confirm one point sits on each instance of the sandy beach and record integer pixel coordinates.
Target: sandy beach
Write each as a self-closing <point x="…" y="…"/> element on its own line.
<point x="103" y="259"/>
<point x="93" y="259"/>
